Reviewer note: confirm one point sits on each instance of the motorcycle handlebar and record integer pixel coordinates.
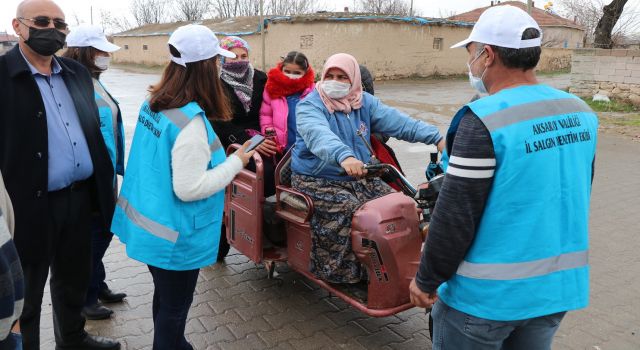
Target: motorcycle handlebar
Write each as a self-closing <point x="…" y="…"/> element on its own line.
<point x="406" y="186"/>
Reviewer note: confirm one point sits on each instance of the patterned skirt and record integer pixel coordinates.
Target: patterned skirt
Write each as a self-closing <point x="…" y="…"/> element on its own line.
<point x="332" y="258"/>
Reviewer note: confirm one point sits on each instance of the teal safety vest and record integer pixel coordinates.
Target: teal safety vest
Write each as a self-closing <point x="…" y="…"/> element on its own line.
<point x="111" y="137"/>
<point x="529" y="257"/>
<point x="157" y="227"/>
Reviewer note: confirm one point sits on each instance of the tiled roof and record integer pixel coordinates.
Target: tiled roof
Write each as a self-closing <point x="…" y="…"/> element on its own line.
<point x="544" y="18"/>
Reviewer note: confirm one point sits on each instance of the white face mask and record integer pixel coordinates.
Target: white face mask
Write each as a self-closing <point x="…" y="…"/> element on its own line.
<point x="293" y="76"/>
<point x="102" y="62"/>
<point x="335" y="89"/>
<point x="476" y="82"/>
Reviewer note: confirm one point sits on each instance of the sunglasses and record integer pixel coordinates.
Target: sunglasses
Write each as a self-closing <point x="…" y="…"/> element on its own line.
<point x="43" y="22"/>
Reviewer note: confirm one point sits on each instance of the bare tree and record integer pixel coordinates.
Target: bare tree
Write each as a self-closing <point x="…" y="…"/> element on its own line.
<point x="234" y="8"/>
<point x="443" y="13"/>
<point x="76" y="19"/>
<point x="585" y="12"/>
<point x="112" y="24"/>
<point x="589" y="12"/>
<point x="192" y="10"/>
<point x="149" y="11"/>
<point x="225" y="8"/>
<point x="611" y="15"/>
<point x="293" y="7"/>
<point x="384" y="7"/>
<point x="249" y="7"/>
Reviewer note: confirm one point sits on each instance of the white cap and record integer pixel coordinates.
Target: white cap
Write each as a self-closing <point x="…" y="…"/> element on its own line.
<point x="196" y="43"/>
<point x="503" y="26"/>
<point x="90" y="36"/>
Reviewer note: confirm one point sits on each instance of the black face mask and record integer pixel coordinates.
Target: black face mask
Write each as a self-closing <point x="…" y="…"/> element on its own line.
<point x="45" y="42"/>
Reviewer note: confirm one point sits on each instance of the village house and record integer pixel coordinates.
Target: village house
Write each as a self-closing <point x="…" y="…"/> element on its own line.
<point x="390" y="46"/>
<point x="557" y="31"/>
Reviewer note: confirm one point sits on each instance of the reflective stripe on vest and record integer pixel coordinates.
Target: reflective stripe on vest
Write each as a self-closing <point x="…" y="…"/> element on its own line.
<point x="529" y="256"/>
<point x="158" y="228"/>
<point x="513" y="271"/>
<point x="102" y="103"/>
<point x="181" y="120"/>
<point x="109" y="131"/>
<point x="149" y="225"/>
<point x="533" y="110"/>
<point x="215" y="145"/>
<point x="177" y="117"/>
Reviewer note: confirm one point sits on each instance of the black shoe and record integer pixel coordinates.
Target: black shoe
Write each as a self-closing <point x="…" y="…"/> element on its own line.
<point x="92" y="342"/>
<point x="107" y="296"/>
<point x="96" y="312"/>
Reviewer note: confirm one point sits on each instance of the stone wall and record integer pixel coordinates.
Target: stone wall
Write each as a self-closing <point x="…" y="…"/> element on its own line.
<point x="613" y="73"/>
<point x="554" y="59"/>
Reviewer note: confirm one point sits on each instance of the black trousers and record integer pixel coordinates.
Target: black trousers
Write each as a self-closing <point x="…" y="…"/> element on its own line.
<point x="100" y="240"/>
<point x="68" y="225"/>
<point x="269" y="178"/>
<point x="172" y="298"/>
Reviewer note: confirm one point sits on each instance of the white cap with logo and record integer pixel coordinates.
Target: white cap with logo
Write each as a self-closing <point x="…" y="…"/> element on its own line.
<point x="196" y="43"/>
<point x="90" y="36"/>
<point x="503" y="26"/>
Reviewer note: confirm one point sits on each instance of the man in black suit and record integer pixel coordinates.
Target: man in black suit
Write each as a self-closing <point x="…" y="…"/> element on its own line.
<point x="57" y="171"/>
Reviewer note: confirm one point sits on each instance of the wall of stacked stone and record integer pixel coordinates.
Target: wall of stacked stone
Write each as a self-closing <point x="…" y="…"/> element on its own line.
<point x="613" y="73"/>
<point x="554" y="59"/>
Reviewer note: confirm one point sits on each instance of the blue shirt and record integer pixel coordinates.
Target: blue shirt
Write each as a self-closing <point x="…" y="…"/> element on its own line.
<point x="69" y="159"/>
<point x="292" y="102"/>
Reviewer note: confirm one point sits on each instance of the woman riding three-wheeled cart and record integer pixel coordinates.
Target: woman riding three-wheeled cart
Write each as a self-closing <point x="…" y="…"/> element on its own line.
<point x="343" y="227"/>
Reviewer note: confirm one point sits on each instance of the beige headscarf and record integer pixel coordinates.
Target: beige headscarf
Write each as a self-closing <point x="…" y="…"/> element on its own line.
<point x="353" y="100"/>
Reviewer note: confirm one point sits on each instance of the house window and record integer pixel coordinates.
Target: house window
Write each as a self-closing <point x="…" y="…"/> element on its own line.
<point x="145" y="47"/>
<point x="126" y="47"/>
<point x="306" y="41"/>
<point x="438" y="43"/>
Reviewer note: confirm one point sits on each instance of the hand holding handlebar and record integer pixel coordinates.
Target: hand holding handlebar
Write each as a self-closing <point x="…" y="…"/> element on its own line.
<point x="353" y="167"/>
<point x="441" y="145"/>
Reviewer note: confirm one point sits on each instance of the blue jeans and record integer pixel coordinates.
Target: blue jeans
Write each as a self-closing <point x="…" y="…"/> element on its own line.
<point x="172" y="297"/>
<point x="12" y="342"/>
<point x="457" y="330"/>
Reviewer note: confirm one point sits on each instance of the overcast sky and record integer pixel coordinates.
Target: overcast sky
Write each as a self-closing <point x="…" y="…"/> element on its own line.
<point x="82" y="8"/>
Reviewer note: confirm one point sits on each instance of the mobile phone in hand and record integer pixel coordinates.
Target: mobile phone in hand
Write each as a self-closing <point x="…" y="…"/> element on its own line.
<point x="256" y="140"/>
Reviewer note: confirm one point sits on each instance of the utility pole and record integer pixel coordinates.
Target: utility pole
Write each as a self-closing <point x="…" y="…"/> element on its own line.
<point x="91" y="9"/>
<point x="529" y="5"/>
<point x="264" y="65"/>
<point x="411" y="9"/>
